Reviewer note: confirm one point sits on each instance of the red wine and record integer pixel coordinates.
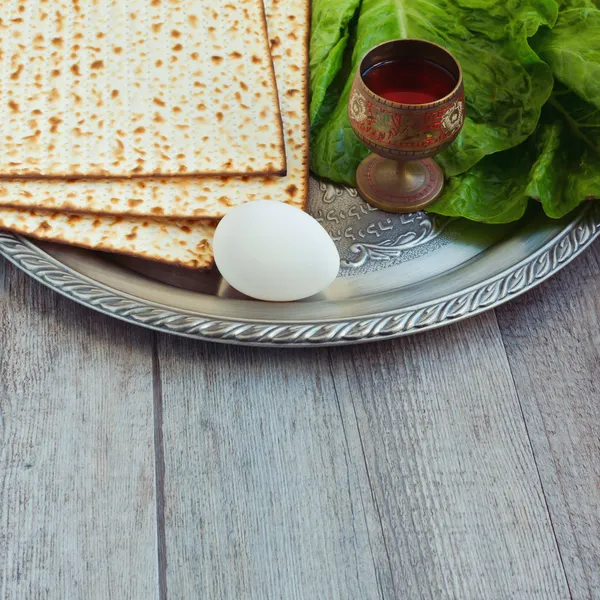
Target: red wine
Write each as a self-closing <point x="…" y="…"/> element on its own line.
<point x="409" y="81"/>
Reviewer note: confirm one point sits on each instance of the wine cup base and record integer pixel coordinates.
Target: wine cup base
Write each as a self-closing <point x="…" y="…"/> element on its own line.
<point x="399" y="186"/>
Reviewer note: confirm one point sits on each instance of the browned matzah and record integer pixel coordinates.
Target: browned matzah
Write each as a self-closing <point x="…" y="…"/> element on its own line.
<point x="132" y="87"/>
<point x="181" y="243"/>
<point x="197" y="197"/>
<point x="290" y="58"/>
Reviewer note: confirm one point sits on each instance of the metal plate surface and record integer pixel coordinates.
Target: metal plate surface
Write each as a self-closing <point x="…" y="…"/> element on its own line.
<point x="400" y="274"/>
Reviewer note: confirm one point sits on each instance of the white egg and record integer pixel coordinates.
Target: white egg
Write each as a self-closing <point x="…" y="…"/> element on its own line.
<point x="271" y="251"/>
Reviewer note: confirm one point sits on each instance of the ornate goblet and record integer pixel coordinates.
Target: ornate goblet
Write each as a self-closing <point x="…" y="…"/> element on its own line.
<point x="397" y="114"/>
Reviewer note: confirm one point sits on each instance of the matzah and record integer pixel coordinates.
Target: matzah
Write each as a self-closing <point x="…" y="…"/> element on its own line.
<point x="200" y="197"/>
<point x="181" y="243"/>
<point x="137" y="87"/>
<point x="288" y="26"/>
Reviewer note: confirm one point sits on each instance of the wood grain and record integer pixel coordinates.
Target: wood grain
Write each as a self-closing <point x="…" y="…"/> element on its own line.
<point x="552" y="338"/>
<point x="450" y="466"/>
<point x="397" y="470"/>
<point x="404" y="472"/>
<point x="76" y="438"/>
<point x="262" y="499"/>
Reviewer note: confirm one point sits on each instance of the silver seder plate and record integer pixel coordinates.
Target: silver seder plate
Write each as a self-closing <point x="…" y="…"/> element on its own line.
<point x="400" y="274"/>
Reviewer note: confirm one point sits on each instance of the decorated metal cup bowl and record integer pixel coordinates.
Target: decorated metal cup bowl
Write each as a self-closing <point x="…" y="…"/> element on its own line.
<point x="400" y="175"/>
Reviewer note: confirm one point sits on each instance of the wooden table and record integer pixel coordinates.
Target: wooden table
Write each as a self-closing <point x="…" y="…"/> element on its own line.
<point x="462" y="463"/>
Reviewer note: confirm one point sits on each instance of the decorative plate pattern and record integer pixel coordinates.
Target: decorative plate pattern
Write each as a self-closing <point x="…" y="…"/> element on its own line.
<point x="368" y="239"/>
<point x="574" y="238"/>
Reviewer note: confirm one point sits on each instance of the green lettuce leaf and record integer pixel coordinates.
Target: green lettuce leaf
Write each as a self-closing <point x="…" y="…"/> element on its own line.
<point x="559" y="166"/>
<point x="572" y="49"/>
<point x="330" y="24"/>
<point x="567" y="169"/>
<point x="493" y="191"/>
<point x="506" y="83"/>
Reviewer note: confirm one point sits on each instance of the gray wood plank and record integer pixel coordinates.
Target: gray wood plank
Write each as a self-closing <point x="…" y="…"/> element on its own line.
<point x="410" y="475"/>
<point x="552" y="337"/>
<point x="77" y="516"/>
<point x="450" y="465"/>
<point x="262" y="498"/>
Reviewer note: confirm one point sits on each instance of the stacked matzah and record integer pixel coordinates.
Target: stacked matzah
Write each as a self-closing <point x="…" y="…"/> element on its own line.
<point x="187" y="242"/>
<point x="132" y="87"/>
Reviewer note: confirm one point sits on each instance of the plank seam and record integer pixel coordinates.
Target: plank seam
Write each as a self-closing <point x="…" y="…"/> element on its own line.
<point x="532" y="450"/>
<point x="374" y="499"/>
<point x="159" y="472"/>
<point x="346" y="456"/>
